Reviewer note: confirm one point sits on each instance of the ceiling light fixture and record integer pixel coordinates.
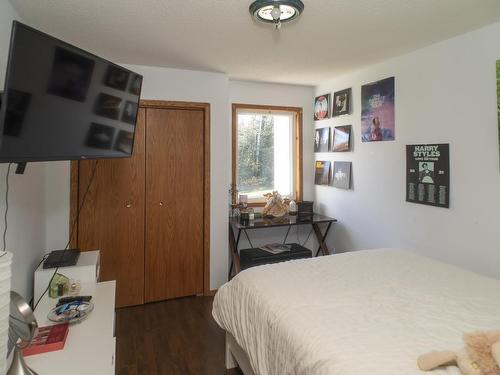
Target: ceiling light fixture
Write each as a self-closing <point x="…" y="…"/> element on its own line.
<point x="276" y="11"/>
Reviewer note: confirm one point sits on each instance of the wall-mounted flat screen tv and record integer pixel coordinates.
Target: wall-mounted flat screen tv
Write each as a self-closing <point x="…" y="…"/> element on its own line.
<point x="63" y="103"/>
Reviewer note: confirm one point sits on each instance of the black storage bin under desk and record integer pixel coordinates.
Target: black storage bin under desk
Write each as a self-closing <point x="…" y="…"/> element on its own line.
<point x="257" y="257"/>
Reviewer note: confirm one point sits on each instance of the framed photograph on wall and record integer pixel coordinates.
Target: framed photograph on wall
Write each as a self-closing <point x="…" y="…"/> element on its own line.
<point x="342" y="138"/>
<point x="322" y="140"/>
<point x="322" y="107"/>
<point x="322" y="172"/>
<point x="342" y="102"/>
<point x="377" y="111"/>
<point x="341" y="175"/>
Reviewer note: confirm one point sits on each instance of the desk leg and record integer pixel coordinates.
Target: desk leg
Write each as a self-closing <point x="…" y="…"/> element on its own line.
<point x="321" y="238"/>
<point x="248" y="238"/>
<point x="286" y="235"/>
<point x="235" y="256"/>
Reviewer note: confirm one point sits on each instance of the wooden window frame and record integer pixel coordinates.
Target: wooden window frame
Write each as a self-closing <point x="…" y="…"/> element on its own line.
<point x="298" y="145"/>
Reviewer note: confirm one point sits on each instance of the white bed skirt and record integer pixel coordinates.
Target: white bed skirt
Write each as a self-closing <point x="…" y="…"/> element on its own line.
<point x="236" y="356"/>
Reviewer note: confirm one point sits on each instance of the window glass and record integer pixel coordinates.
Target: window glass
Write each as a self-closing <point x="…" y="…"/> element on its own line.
<point x="265" y="154"/>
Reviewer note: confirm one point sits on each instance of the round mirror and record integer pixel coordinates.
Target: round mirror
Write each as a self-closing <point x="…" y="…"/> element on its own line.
<point x="22" y="329"/>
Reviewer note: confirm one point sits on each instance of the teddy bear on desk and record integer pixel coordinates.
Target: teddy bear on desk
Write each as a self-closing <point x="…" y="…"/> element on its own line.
<point x="480" y="356"/>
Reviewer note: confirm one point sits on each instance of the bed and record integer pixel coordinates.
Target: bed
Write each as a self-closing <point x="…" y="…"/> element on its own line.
<point x="365" y="312"/>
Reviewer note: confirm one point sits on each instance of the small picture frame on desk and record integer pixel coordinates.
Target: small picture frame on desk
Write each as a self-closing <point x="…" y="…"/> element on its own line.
<point x="305" y="210"/>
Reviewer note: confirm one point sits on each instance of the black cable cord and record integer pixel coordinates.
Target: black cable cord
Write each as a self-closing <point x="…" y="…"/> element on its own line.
<point x="43" y="259"/>
<point x="73" y="225"/>
<point x="38" y="265"/>
<point x="307" y="238"/>
<point x="4" y="248"/>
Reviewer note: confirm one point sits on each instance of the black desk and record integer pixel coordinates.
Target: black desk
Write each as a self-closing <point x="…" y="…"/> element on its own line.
<point x="262" y="223"/>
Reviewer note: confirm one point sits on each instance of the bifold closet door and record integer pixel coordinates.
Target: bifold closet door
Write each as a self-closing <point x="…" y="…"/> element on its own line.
<point x="112" y="219"/>
<point x="174" y="203"/>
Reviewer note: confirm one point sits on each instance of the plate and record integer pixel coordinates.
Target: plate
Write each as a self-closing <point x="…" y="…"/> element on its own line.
<point x="72" y="312"/>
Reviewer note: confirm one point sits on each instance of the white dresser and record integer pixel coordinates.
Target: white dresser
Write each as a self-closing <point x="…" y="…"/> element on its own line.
<point x="90" y="346"/>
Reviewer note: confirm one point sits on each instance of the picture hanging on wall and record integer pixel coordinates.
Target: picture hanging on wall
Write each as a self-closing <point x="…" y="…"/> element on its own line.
<point x="322" y="172"/>
<point x="341" y="175"/>
<point x="342" y="102"/>
<point x="322" y="107"/>
<point x="342" y="138"/>
<point x="322" y="140"/>
<point x="498" y="106"/>
<point x="377" y="111"/>
<point x="428" y="174"/>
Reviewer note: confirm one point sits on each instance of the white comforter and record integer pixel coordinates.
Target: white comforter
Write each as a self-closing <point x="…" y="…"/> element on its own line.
<point x="362" y="313"/>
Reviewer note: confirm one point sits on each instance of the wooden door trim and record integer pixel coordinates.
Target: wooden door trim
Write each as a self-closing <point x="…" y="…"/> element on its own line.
<point x="161" y="104"/>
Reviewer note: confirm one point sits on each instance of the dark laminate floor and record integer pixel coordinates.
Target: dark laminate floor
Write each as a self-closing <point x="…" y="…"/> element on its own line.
<point x="171" y="337"/>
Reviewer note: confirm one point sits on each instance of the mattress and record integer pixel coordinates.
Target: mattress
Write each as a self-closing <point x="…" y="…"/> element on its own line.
<point x="366" y="312"/>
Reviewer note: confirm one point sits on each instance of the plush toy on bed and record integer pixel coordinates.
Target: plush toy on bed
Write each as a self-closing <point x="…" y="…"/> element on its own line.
<point x="481" y="355"/>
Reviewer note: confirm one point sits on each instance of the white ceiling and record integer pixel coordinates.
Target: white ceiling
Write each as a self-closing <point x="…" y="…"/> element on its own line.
<point x="332" y="37"/>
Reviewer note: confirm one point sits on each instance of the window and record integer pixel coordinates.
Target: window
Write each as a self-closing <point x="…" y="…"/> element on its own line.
<point x="267" y="152"/>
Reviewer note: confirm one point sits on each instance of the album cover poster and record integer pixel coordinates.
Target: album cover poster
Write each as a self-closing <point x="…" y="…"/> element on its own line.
<point x="341" y="175"/>
<point x="341" y="138"/>
<point x="377" y="111"/>
<point x="342" y="102"/>
<point x="322" y="140"/>
<point x="428" y="174"/>
<point x="322" y="107"/>
<point x="322" y="172"/>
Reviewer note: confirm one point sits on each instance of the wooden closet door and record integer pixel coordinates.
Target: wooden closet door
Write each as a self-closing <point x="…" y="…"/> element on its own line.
<point x="174" y="203"/>
<point x="112" y="219"/>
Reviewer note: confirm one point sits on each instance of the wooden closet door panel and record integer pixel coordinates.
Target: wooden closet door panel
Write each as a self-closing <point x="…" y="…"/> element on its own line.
<point x="174" y="203"/>
<point x="112" y="219"/>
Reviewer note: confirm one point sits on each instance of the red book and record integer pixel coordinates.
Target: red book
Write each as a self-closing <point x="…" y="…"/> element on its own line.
<point x="48" y="339"/>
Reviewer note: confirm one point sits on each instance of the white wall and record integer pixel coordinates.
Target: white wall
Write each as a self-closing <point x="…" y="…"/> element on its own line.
<point x="245" y="92"/>
<point x="216" y="89"/>
<point x="445" y="93"/>
<point x="26" y="217"/>
<point x="177" y="85"/>
<point x="57" y="192"/>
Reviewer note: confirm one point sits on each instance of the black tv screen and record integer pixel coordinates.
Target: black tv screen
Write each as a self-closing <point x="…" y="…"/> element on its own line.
<point x="62" y="103"/>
